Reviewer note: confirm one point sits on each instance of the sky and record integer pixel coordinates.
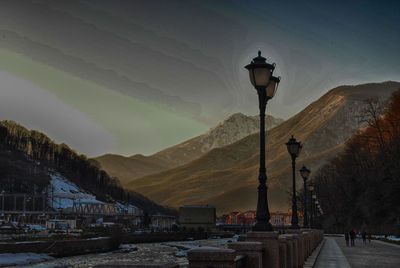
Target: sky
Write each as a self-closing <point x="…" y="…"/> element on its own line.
<point x="135" y="77"/>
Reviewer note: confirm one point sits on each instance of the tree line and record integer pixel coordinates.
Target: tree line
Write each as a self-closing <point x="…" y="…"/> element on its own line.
<point x="360" y="188"/>
<point x="33" y="153"/>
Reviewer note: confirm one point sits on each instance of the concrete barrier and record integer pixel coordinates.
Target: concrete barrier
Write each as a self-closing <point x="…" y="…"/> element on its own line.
<point x="270" y="244"/>
<point x="262" y="250"/>
<point x="300" y="246"/>
<point x="307" y="243"/>
<point x="289" y="250"/>
<point x="253" y="251"/>
<point x="211" y="257"/>
<point x="282" y="251"/>
<point x="127" y="265"/>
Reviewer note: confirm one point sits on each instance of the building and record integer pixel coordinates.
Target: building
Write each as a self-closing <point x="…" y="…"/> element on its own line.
<point x="277" y="218"/>
<point x="280" y="218"/>
<point x="240" y="218"/>
<point x="160" y="221"/>
<point x="194" y="217"/>
<point x="60" y="224"/>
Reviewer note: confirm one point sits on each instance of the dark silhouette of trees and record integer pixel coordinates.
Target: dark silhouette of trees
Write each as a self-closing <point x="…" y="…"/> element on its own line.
<point x="360" y="188"/>
<point x="34" y="153"/>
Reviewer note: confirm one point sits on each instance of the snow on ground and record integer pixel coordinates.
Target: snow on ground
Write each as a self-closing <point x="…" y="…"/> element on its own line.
<point x="129" y="208"/>
<point x="185" y="246"/>
<point x="7" y="259"/>
<point x="393" y="238"/>
<point x="36" y="227"/>
<point x="65" y="193"/>
<point x="389" y="237"/>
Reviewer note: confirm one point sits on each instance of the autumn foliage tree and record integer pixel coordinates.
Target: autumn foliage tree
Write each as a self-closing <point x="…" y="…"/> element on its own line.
<point x="361" y="187"/>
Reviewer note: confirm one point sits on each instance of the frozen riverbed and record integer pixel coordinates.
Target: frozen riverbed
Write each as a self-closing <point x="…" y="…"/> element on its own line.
<point x="145" y="253"/>
<point x="7" y="259"/>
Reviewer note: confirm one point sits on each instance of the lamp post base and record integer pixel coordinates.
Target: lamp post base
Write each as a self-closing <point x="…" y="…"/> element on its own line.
<point x="262" y="227"/>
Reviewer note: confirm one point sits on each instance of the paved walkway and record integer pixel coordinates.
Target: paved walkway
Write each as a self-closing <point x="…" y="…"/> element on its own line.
<point x="331" y="256"/>
<point x="378" y="254"/>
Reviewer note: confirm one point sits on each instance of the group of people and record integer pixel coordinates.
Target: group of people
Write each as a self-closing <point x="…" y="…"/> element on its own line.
<point x="352" y="235"/>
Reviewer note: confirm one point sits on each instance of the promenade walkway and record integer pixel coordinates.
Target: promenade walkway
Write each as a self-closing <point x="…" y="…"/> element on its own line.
<point x="331" y="256"/>
<point x="334" y="253"/>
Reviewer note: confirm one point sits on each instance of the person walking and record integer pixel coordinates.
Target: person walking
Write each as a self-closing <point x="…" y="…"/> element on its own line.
<point x="369" y="238"/>
<point x="346" y="236"/>
<point x="352" y="236"/>
<point x="364" y="237"/>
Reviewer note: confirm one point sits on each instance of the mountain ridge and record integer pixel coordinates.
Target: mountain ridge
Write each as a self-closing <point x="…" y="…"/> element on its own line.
<point x="323" y="127"/>
<point x="230" y="130"/>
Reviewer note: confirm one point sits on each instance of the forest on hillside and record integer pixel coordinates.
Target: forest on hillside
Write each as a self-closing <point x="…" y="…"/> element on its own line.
<point x="26" y="156"/>
<point x="360" y="188"/>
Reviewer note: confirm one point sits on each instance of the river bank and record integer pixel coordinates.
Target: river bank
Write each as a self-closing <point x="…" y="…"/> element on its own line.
<point x="144" y="253"/>
<point x="71" y="247"/>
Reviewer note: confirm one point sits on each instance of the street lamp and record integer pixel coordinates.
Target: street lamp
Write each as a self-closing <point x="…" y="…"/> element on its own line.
<point x="261" y="78"/>
<point x="313" y="199"/>
<point x="294" y="148"/>
<point x="311" y="188"/>
<point x="305" y="172"/>
<point x="317" y="223"/>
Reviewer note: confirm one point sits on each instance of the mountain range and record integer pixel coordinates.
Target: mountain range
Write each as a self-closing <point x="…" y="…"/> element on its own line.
<point x="226" y="177"/>
<point x="234" y="128"/>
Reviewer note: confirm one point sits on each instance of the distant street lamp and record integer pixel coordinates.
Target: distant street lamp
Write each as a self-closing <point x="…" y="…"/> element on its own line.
<point x="294" y="148"/>
<point x="261" y="78"/>
<point x="317" y="223"/>
<point x="305" y="172"/>
<point x="313" y="199"/>
<point x="311" y="188"/>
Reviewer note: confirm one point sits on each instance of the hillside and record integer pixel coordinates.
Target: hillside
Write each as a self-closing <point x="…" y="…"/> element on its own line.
<point x="232" y="129"/>
<point x="227" y="177"/>
<point x="30" y="160"/>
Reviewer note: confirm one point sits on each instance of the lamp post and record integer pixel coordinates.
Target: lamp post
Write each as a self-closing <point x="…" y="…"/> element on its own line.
<point x="305" y="172"/>
<point x="261" y="78"/>
<point x="316" y="202"/>
<point x="294" y="148"/>
<point x="313" y="199"/>
<point x="311" y="188"/>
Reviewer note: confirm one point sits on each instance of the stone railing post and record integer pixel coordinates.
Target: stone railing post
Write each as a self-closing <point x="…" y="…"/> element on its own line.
<point x="300" y="254"/>
<point x="211" y="257"/>
<point x="283" y="251"/>
<point x="253" y="251"/>
<point x="306" y="244"/>
<point x="291" y="255"/>
<point x="270" y="244"/>
<point x="295" y="250"/>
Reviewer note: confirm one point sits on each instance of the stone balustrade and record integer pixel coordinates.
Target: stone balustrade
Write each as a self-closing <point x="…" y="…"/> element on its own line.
<point x="263" y="250"/>
<point x="253" y="250"/>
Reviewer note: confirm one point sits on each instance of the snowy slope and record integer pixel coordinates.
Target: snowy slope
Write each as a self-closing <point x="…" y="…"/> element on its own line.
<point x="63" y="193"/>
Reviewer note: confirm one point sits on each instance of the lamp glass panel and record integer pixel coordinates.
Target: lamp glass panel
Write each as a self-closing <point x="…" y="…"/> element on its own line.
<point x="304" y="173"/>
<point x="271" y="89"/>
<point x="251" y="74"/>
<point x="260" y="77"/>
<point x="294" y="148"/>
<point x="300" y="147"/>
